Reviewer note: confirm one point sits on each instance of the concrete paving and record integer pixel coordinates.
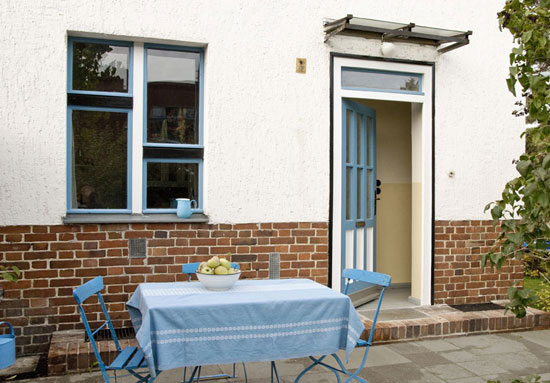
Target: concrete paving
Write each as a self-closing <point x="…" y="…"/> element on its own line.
<point x="466" y="359"/>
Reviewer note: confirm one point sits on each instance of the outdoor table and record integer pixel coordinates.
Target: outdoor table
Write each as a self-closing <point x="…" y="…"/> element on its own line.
<point x="184" y="324"/>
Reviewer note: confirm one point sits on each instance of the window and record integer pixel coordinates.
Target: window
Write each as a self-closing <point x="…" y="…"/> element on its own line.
<point x="110" y="168"/>
<point x="379" y="80"/>
<point x="172" y="138"/>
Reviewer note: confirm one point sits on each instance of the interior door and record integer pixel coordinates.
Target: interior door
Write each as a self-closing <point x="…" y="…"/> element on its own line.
<point x="358" y="195"/>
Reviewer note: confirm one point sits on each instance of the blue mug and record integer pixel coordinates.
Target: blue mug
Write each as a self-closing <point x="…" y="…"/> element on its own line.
<point x="184" y="206"/>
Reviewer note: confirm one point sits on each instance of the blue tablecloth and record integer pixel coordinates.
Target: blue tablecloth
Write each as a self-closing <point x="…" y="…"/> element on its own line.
<point x="184" y="324"/>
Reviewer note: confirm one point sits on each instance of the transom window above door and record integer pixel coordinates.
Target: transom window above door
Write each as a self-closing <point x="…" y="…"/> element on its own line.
<point x="133" y="152"/>
<point x="381" y="81"/>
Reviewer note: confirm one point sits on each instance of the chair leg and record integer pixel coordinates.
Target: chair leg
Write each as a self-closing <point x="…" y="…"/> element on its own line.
<point x="320" y="363"/>
<point x="274" y="372"/>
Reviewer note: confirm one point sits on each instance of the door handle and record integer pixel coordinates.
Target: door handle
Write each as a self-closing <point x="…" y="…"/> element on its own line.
<point x="360" y="224"/>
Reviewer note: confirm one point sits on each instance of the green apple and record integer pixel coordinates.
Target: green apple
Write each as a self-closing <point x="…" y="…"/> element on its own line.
<point x="207" y="270"/>
<point x="213" y="262"/>
<point x="225" y="263"/>
<point x="220" y="270"/>
<point x="201" y="266"/>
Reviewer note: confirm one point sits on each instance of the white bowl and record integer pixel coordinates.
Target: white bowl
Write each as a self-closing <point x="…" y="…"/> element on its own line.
<point x="218" y="282"/>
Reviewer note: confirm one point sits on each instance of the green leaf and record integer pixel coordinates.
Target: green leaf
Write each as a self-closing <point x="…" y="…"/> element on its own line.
<point x="496" y="212"/>
<point x="516" y="238"/>
<point x="523" y="167"/>
<point x="511" y="85"/>
<point x="512" y="292"/>
<point x="527" y="35"/>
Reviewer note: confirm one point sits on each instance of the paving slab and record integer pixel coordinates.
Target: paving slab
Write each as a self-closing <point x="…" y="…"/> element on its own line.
<point x="427" y="359"/>
<point x="521" y="362"/>
<point x="480" y="367"/>
<point x="406" y="348"/>
<point x="438" y="345"/>
<point x="22" y="365"/>
<point x="459" y="356"/>
<point x="542" y="338"/>
<point x="449" y="371"/>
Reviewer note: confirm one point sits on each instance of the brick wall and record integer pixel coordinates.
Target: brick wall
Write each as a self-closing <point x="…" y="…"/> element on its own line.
<point x="458" y="276"/>
<point x="56" y="259"/>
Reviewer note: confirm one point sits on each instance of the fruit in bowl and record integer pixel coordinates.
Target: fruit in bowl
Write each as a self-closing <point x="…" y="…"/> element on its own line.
<point x="217" y="274"/>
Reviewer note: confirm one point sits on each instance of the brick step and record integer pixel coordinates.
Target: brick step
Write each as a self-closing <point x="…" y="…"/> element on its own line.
<point x="443" y="320"/>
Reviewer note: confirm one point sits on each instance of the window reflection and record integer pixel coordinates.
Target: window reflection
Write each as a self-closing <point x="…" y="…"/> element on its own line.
<point x="99" y="159"/>
<point x="172" y="96"/>
<point x="167" y="181"/>
<point x="393" y="81"/>
<point x="100" y="67"/>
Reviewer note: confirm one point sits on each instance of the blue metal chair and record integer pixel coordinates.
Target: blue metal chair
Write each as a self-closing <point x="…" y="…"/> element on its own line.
<point x="190" y="269"/>
<point x="130" y="358"/>
<point x="371" y="277"/>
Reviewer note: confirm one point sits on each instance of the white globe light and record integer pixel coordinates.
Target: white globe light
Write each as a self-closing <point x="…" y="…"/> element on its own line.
<point x="387" y="48"/>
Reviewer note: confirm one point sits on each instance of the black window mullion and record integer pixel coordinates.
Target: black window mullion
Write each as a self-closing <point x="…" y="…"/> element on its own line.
<point x="77" y="99"/>
<point x="181" y="153"/>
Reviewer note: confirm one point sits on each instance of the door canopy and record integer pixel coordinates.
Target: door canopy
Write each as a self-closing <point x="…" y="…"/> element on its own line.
<point x="445" y="39"/>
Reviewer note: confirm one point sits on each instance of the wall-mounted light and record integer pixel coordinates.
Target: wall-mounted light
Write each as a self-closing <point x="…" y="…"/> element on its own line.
<point x="387" y="48"/>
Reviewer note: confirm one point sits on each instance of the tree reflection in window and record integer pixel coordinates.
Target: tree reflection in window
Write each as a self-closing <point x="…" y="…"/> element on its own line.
<point x="100" y="67"/>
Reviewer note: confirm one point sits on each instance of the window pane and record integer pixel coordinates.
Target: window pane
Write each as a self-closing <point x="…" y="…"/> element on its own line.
<point x="167" y="181"/>
<point x="99" y="159"/>
<point x="349" y="115"/>
<point x="359" y="193"/>
<point x="369" y="193"/>
<point x="348" y="192"/>
<point x="369" y="149"/>
<point x="359" y="139"/>
<point x="172" y="96"/>
<point x="395" y="81"/>
<point x="100" y="67"/>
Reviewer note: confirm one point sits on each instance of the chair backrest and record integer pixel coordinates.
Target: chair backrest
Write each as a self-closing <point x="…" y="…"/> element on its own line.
<point x="191" y="268"/>
<point x="371" y="277"/>
<point x="81" y="294"/>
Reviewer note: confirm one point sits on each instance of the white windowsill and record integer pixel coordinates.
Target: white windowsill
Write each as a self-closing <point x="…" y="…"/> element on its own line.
<point x="132" y="218"/>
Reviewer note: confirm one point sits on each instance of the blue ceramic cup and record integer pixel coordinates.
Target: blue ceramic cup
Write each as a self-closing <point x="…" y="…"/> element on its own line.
<point x="184" y="206"/>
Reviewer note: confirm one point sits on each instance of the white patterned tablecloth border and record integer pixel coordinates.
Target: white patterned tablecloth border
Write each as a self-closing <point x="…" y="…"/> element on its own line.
<point x="217" y="338"/>
<point x="250" y="327"/>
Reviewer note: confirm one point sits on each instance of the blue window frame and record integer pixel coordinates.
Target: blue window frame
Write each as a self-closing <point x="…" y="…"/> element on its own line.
<point x="172" y="126"/>
<point x="100" y="103"/>
<point x="99" y="126"/>
<point x="381" y="81"/>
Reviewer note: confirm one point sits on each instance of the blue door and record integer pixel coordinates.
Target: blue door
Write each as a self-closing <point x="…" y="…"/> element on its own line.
<point x="358" y="194"/>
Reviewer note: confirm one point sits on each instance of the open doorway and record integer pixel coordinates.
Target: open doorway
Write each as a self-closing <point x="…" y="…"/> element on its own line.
<point x="396" y="99"/>
<point x="394" y="203"/>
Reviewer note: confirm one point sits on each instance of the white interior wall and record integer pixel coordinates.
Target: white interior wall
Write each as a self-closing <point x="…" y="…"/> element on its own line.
<point x="266" y="127"/>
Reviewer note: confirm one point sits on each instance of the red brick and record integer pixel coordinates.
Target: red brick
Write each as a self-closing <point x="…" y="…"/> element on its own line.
<point x="113" y="244"/>
<point x="65" y="229"/>
<point x="66" y="246"/>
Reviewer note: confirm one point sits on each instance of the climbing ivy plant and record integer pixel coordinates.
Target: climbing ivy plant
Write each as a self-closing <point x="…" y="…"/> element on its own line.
<point x="523" y="212"/>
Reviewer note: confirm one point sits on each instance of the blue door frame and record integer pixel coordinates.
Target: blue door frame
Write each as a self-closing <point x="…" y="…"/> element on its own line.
<point x="358" y="190"/>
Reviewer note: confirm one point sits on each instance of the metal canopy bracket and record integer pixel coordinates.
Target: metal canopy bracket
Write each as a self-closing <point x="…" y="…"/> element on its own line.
<point x="446" y="40"/>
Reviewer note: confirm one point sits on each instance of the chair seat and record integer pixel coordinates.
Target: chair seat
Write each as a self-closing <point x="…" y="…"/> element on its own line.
<point x="129" y="358"/>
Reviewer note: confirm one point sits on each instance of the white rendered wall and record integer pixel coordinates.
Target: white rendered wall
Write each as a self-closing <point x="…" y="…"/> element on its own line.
<point x="266" y="127"/>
